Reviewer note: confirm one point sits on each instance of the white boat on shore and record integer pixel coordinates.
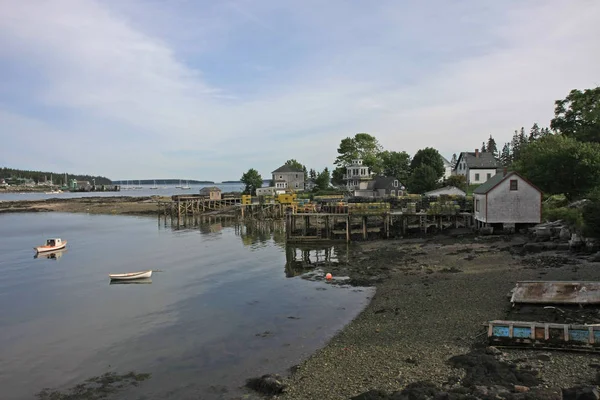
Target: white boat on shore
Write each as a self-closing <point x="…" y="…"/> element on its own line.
<point x="51" y="245"/>
<point x="130" y="275"/>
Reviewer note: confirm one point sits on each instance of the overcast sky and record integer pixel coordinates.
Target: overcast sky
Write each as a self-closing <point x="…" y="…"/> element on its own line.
<point x="135" y="89"/>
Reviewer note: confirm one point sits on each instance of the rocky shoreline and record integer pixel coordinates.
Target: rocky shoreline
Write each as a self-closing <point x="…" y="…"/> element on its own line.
<point x="422" y="335"/>
<point x="120" y="205"/>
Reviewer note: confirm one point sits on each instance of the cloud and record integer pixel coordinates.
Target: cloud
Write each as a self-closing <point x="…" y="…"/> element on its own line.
<point x="207" y="90"/>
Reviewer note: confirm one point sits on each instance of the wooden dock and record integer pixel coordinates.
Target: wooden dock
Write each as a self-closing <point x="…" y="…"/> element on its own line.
<point x="311" y="227"/>
<point x="334" y="223"/>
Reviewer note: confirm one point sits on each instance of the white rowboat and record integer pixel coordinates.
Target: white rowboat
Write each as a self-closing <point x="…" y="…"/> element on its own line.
<point x="130" y="275"/>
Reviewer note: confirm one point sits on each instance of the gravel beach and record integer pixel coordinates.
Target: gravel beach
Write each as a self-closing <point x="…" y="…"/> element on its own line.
<point x="433" y="296"/>
<point x="123" y="205"/>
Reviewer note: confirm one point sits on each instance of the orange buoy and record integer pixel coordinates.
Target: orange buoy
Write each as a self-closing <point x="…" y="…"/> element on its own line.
<point x="328" y="276"/>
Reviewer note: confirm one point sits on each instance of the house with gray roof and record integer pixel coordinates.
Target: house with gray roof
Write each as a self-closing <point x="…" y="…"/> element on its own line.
<point x="507" y="199"/>
<point x="476" y="167"/>
<point x="287" y="177"/>
<point x="381" y="186"/>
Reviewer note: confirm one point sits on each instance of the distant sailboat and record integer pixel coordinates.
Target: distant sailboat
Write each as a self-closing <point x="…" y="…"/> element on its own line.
<point x="179" y="186"/>
<point x="186" y="187"/>
<point x="154" y="187"/>
<point x="139" y="186"/>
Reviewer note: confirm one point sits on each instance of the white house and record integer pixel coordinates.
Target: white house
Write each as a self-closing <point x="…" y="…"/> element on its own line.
<point x="448" y="190"/>
<point x="477" y="167"/>
<point x="357" y="177"/>
<point x="447" y="168"/>
<point x="507" y="199"/>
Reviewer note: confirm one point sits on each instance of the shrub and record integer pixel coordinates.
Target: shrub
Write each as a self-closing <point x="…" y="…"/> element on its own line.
<point x="591" y="218"/>
<point x="570" y="216"/>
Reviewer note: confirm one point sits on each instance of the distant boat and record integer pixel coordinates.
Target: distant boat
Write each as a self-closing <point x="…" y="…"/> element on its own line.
<point x="154" y="187"/>
<point x="130" y="275"/>
<point x="179" y="186"/>
<point x="186" y="187"/>
<point x="54" y="192"/>
<point x="139" y="186"/>
<point x="51" y="245"/>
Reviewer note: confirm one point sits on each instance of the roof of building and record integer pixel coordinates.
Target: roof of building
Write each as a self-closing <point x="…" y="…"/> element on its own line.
<point x="431" y="192"/>
<point x="496" y="180"/>
<point x="446" y="162"/>
<point x="208" y="189"/>
<point x="484" y="160"/>
<point x="287" y="168"/>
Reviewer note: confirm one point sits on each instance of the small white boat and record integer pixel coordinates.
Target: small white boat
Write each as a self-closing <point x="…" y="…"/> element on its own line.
<point x="130" y="275"/>
<point x="51" y="245"/>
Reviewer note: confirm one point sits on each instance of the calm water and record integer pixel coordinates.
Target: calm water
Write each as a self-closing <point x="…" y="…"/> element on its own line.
<point x="194" y="327"/>
<point x="145" y="191"/>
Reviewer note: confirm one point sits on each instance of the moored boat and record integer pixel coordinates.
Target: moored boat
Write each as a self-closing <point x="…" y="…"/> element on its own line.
<point x="51" y="245"/>
<point x="130" y="275"/>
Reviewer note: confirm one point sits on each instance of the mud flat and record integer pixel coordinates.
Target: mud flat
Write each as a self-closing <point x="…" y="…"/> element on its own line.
<point x="423" y="330"/>
<point x="123" y="205"/>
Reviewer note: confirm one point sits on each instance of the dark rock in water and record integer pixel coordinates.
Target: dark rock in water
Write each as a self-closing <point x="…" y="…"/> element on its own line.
<point x="269" y="385"/>
<point x="581" y="393"/>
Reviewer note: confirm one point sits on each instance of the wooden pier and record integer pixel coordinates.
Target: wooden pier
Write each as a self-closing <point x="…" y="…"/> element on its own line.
<point x="332" y="223"/>
<point x="311" y="227"/>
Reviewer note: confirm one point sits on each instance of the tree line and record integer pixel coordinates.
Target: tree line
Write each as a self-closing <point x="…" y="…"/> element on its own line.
<point x="14" y="175"/>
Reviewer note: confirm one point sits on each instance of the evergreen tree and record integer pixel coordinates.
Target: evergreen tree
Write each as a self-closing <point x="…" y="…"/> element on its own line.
<point x="491" y="146"/>
<point x="483" y="149"/>
<point x="454" y="160"/>
<point x="515" y="146"/>
<point x="312" y="174"/>
<point x="534" y="133"/>
<point x="505" y="156"/>
<point x="522" y="138"/>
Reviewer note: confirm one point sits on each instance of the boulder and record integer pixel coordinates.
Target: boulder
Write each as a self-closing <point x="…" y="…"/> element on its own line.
<point x="591" y="245"/>
<point x="575" y="243"/>
<point x="581" y="393"/>
<point x="564" y="234"/>
<point x="269" y="385"/>
<point x="595" y="257"/>
<point x="543" y="233"/>
<point x="486" y="230"/>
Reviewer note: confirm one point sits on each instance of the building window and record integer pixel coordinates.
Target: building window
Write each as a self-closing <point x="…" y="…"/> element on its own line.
<point x="514" y="184"/>
<point x="296" y="176"/>
<point x="280" y="176"/>
<point x="489" y="176"/>
<point x="296" y="184"/>
<point x="476" y="177"/>
<point x="477" y="205"/>
<point x="395" y="183"/>
<point x="392" y="193"/>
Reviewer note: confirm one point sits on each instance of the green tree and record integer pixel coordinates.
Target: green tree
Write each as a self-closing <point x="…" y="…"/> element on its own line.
<point x="396" y="164"/>
<point x="559" y="164"/>
<point x="312" y="174"/>
<point x="431" y="157"/>
<point x="423" y="178"/>
<point x="337" y="176"/>
<point x="578" y="115"/>
<point x="506" y="156"/>
<point x="322" y="180"/>
<point x="363" y="146"/>
<point x="534" y="133"/>
<point x="491" y="146"/>
<point x="252" y="180"/>
<point x="483" y="148"/>
<point x="459" y="181"/>
<point x="299" y="166"/>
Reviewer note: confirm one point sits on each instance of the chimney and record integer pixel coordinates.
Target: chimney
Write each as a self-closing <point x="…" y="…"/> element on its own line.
<point x="476" y="152"/>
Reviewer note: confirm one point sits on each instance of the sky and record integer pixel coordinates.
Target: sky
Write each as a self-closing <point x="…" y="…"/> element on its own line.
<point x="197" y="89"/>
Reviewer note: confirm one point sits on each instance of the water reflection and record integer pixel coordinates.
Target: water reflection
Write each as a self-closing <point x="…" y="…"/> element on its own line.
<point x="55" y="255"/>
<point x="300" y="259"/>
<point x="131" y="282"/>
<point x="253" y="233"/>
